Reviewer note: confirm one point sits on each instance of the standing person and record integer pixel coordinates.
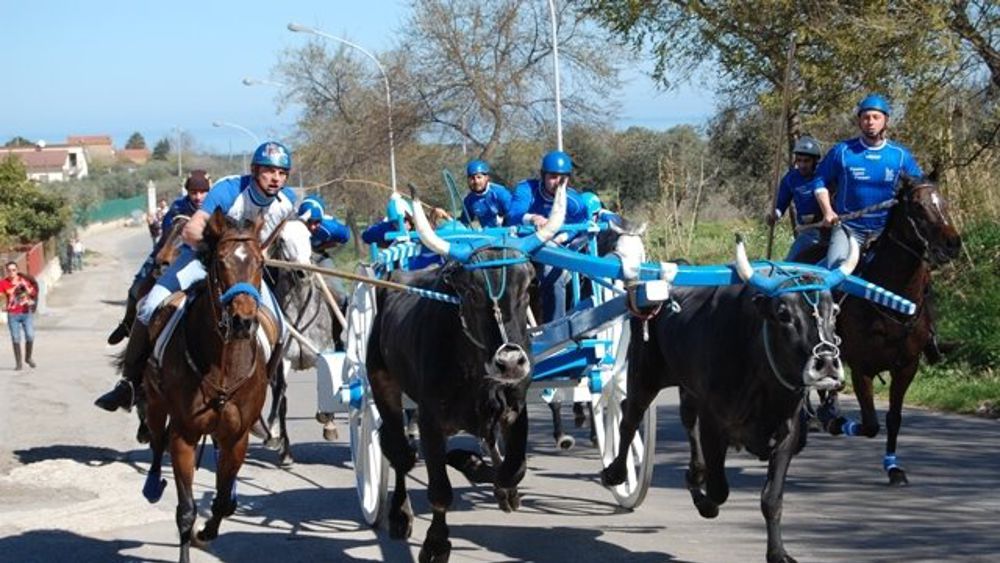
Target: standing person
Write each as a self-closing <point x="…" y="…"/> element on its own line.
<point x="78" y="254"/>
<point x="21" y="294"/>
<point x="69" y="256"/>
<point x="864" y="170"/>
<point x="799" y="186"/>
<point x="262" y="193"/>
<point x="531" y="204"/>
<point x="486" y="202"/>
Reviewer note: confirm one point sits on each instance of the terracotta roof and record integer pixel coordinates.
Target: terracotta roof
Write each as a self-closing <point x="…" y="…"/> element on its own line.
<point x="138" y="156"/>
<point x="88" y="140"/>
<point x="40" y="160"/>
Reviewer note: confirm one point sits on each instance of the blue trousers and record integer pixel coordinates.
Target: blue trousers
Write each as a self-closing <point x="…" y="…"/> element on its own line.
<point x="21" y="323"/>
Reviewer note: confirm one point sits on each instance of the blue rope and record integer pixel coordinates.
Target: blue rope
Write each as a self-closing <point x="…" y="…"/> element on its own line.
<point x="237" y="289"/>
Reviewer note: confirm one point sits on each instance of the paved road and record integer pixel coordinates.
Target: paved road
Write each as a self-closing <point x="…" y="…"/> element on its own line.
<point x="70" y="477"/>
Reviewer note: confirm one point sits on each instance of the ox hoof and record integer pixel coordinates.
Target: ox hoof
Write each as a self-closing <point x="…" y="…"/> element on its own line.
<point x="330" y="432"/>
<point x="435" y="551"/>
<point x="897" y="478"/>
<point x="706" y="508"/>
<point x="613" y="475"/>
<point x="781" y="558"/>
<point x="509" y="500"/>
<point x="400" y="526"/>
<point x="153" y="488"/>
<point x="565" y="442"/>
<point x="204" y="536"/>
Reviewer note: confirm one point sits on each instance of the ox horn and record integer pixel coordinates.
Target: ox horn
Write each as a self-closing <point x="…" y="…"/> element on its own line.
<point x="743" y="267"/>
<point x="837" y="276"/>
<point x="428" y="237"/>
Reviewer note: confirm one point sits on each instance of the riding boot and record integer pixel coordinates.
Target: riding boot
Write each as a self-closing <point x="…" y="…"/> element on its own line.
<point x="28" y="347"/>
<point x="123" y="328"/>
<point x="17" y="356"/>
<point x="137" y="353"/>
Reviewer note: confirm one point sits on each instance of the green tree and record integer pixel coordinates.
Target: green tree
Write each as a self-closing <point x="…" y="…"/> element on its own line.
<point x="18" y="141"/>
<point x="27" y="214"/>
<point x="136" y="141"/>
<point x="161" y="150"/>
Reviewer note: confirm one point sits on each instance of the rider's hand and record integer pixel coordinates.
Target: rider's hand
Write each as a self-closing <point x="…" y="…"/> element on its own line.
<point x="830" y="219"/>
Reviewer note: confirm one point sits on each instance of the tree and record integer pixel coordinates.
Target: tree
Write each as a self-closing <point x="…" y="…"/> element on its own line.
<point x="27" y="214"/>
<point x="18" y="141"/>
<point x="162" y="149"/>
<point x="483" y="69"/>
<point x="135" y="141"/>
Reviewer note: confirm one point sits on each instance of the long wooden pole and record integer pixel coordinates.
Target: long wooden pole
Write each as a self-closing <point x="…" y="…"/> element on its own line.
<point x="779" y="153"/>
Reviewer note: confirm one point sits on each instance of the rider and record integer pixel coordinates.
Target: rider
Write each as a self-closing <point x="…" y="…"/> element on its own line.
<point x="486" y="202"/>
<point x="325" y="231"/>
<point x="261" y="193"/>
<point x="196" y="185"/>
<point x="596" y="210"/>
<point x="865" y="171"/>
<point x="398" y="218"/>
<point x="531" y="204"/>
<point x="798" y="185"/>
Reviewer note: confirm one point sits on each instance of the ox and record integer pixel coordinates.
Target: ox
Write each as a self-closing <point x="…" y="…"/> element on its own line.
<point x="743" y="356"/>
<point x="467" y="368"/>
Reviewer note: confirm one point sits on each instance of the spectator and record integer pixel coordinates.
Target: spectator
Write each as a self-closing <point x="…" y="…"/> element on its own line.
<point x="77" y="254"/>
<point x="21" y="294"/>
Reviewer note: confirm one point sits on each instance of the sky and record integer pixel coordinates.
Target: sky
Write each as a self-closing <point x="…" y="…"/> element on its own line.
<point x="117" y="67"/>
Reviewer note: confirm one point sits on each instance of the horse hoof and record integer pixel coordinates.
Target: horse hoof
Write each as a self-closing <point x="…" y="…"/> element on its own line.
<point x="323" y="417"/>
<point x="435" y="551"/>
<point x="153" y="489"/>
<point x="258" y="430"/>
<point x="565" y="442"/>
<point x="509" y="500"/>
<point x="400" y="527"/>
<point x="897" y="478"/>
<point x="273" y="444"/>
<point x="781" y="558"/>
<point x="287" y="460"/>
<point x="330" y="432"/>
<point x="707" y="508"/>
<point x="612" y="477"/>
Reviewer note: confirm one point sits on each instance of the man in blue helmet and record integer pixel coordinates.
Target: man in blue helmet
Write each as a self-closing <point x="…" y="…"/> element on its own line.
<point x="486" y="202"/>
<point x="262" y="193"/>
<point x="865" y="171"/>
<point x="799" y="186"/>
<point x="196" y="185"/>
<point x="596" y="210"/>
<point x="325" y="231"/>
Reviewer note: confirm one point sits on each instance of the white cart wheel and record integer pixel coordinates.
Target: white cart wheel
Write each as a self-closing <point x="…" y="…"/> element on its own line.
<point x="607" y="418"/>
<point x="371" y="469"/>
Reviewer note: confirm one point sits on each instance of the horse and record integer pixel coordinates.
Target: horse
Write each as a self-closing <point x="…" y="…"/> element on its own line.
<point x="919" y="235"/>
<point x="307" y="311"/>
<point x="213" y="375"/>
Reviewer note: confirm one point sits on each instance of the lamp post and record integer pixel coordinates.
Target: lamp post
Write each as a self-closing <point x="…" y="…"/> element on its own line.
<point x="385" y="78"/>
<point x="248" y="81"/>
<point x="249" y="133"/>
<point x="555" y="72"/>
<point x="180" y="170"/>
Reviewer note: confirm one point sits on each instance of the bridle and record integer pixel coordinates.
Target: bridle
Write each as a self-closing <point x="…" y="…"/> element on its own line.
<point x="477" y="263"/>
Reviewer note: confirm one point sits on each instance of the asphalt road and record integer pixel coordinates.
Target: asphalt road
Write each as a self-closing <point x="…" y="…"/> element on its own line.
<point x="71" y="474"/>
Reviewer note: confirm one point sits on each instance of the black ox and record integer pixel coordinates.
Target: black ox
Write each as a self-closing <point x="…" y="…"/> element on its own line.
<point x="743" y="356"/>
<point x="468" y="367"/>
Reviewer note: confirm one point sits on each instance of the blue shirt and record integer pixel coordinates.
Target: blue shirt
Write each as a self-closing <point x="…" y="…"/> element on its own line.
<point x="864" y="176"/>
<point x="529" y="197"/>
<point x="327" y="233"/>
<point x="486" y="207"/>
<point x="796" y="187"/>
<point x="375" y="234"/>
<point x="237" y="198"/>
<point x="181" y="206"/>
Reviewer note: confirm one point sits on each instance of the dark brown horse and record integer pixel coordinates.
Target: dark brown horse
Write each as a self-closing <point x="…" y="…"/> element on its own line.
<point x="919" y="235"/>
<point x="213" y="376"/>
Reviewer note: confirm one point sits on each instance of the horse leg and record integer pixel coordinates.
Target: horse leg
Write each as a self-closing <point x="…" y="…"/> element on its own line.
<point x="771" y="496"/>
<point x="436" y="547"/>
<point x="278" y="385"/>
<point x="389" y="400"/>
<point x="563" y="441"/>
<point x="694" y="477"/>
<point x="285" y="443"/>
<point x="182" y="454"/>
<point x="901" y="380"/>
<point x="156" y="421"/>
<point x="230" y="459"/>
<point x="864" y="392"/>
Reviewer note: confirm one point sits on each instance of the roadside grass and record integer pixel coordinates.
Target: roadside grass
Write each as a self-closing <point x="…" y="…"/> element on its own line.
<point x="950" y="388"/>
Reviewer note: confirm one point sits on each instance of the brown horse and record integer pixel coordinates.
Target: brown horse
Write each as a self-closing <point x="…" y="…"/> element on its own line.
<point x="919" y="234"/>
<point x="213" y="378"/>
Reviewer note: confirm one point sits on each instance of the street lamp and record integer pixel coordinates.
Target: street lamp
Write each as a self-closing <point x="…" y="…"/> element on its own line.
<point x="249" y="133"/>
<point x="385" y="77"/>
<point x="555" y="69"/>
<point x="247" y="81"/>
<point x="180" y="171"/>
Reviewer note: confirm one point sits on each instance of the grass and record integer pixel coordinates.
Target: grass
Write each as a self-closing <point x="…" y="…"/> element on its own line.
<point x="949" y="388"/>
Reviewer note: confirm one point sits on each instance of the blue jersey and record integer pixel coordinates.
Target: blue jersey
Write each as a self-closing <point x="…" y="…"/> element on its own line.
<point x="864" y="176"/>
<point x="375" y="234"/>
<point x="327" y="233"/>
<point x="486" y="207"/>
<point x="239" y="199"/>
<point x="796" y="187"/>
<point x="181" y="206"/>
<point x="529" y="197"/>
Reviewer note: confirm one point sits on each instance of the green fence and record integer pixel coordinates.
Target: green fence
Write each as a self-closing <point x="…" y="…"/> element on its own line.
<point x="116" y="209"/>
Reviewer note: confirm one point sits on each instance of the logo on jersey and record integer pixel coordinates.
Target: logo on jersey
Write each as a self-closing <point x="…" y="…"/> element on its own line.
<point x="890" y="175"/>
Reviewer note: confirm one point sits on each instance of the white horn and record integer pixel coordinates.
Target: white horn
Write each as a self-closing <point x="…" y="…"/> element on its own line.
<point x="424" y="229"/>
<point x="848" y="265"/>
<point x="743" y="267"/>
<point x="556" y="216"/>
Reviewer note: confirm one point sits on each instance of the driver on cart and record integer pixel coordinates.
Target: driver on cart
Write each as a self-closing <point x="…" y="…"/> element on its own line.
<point x="325" y="232"/>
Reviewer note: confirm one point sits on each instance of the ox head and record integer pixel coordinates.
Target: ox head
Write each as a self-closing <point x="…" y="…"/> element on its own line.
<point x="235" y="264"/>
<point x="491" y="278"/>
<point x="799" y="322"/>
<point x="927" y="230"/>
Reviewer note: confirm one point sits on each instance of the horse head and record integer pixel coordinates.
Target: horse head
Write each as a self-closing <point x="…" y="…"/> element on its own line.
<point x="171" y="247"/>
<point x="234" y="273"/>
<point x="928" y="230"/>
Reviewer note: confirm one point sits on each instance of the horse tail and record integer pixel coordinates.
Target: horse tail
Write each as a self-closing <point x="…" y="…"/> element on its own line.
<point x="118" y="360"/>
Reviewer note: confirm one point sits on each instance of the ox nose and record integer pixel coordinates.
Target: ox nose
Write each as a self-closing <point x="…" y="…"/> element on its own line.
<point x="826" y="372"/>
<point x="511" y="362"/>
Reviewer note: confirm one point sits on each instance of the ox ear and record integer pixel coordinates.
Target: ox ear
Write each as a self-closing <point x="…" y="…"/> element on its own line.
<point x="773" y="308"/>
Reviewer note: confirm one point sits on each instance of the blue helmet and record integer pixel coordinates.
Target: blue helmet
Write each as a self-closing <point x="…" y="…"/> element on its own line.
<point x="557" y="162"/>
<point x="477" y="167"/>
<point x="312" y="208"/>
<point x="874" y="102"/>
<point x="591" y="202"/>
<point x="398" y="208"/>
<point x="272" y="153"/>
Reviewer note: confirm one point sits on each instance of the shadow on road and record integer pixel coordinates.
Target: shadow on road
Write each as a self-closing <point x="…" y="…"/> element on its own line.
<point x="43" y="546"/>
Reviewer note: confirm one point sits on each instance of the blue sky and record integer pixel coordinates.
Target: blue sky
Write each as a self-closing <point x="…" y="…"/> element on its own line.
<point x="115" y="67"/>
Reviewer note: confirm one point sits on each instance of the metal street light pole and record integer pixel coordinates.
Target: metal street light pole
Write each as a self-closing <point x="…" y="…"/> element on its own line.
<point x="385" y="77"/>
<point x="555" y="69"/>
<point x="180" y="170"/>
<point x="248" y="81"/>
<point x="249" y="133"/>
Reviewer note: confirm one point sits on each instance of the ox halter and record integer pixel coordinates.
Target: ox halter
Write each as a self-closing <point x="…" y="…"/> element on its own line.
<point x="494" y="294"/>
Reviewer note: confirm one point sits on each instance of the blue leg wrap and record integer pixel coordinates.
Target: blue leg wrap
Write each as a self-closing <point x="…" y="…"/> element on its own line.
<point x="153" y="488"/>
<point x="850" y="428"/>
<point x="889" y="462"/>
